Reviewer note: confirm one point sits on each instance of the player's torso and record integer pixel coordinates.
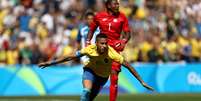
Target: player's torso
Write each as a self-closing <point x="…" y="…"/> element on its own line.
<point x="110" y="25"/>
<point x="100" y="64"/>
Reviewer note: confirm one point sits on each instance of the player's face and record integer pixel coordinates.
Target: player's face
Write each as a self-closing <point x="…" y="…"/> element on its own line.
<point x="102" y="46"/>
<point x="114" y="6"/>
<point x="89" y="19"/>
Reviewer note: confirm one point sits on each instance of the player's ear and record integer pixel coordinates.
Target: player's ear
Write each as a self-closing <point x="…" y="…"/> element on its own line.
<point x="97" y="39"/>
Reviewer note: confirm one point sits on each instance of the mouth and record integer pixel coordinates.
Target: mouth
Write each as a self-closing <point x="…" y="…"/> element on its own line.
<point x="102" y="50"/>
<point x="116" y="10"/>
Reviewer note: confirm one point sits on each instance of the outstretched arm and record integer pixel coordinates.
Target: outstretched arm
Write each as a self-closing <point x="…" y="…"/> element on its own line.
<point x="57" y="61"/>
<point x="126" y="36"/>
<point x="136" y="75"/>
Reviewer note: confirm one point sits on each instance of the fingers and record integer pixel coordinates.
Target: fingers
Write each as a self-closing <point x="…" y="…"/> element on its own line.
<point x="148" y="87"/>
<point x="88" y="43"/>
<point x="42" y="65"/>
<point x="118" y="44"/>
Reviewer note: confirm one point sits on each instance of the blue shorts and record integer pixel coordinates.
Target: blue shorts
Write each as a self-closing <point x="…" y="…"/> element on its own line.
<point x="90" y="75"/>
<point x="98" y="82"/>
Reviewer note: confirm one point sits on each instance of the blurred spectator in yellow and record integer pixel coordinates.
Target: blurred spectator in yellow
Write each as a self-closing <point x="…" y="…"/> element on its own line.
<point x="42" y="31"/>
<point x="12" y="56"/>
<point x="155" y="55"/>
<point x="144" y="47"/>
<point x="171" y="49"/>
<point x="184" y="48"/>
<point x="196" y="52"/>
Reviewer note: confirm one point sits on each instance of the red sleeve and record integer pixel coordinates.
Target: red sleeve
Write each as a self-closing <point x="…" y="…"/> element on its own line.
<point x="125" y="24"/>
<point x="94" y="24"/>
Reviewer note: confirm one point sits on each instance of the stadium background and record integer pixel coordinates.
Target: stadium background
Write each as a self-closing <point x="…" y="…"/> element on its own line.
<point x="165" y="48"/>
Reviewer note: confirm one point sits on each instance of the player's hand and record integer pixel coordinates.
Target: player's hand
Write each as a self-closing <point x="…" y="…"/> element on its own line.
<point x="44" y="65"/>
<point x="88" y="43"/>
<point x="147" y="86"/>
<point x="120" y="45"/>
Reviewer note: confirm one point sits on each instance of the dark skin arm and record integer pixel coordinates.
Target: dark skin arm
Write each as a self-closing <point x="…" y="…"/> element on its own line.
<point x="58" y="61"/>
<point x="89" y="37"/>
<point x="126" y="36"/>
<point x="123" y="40"/>
<point x="136" y="75"/>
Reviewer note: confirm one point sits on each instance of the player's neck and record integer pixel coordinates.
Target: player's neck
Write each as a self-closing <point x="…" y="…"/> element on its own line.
<point x="112" y="13"/>
<point x="101" y="53"/>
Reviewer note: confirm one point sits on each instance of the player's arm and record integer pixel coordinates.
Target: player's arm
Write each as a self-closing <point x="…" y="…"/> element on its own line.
<point x="127" y="30"/>
<point x="125" y="36"/>
<point x="118" y="58"/>
<point x="61" y="60"/>
<point x="93" y="26"/>
<point x="135" y="74"/>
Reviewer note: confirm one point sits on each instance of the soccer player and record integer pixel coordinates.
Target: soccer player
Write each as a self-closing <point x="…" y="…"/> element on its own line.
<point x="98" y="69"/>
<point x="112" y="22"/>
<point x="83" y="31"/>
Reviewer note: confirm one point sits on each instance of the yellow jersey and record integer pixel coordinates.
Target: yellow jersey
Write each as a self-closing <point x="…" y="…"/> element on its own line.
<point x="101" y="63"/>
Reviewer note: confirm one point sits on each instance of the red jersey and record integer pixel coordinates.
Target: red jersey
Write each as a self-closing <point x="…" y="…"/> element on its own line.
<point x="111" y="25"/>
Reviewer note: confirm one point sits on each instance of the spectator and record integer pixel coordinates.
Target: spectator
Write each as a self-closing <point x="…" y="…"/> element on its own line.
<point x="51" y="27"/>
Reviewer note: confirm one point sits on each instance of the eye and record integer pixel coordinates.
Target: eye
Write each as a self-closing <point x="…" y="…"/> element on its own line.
<point x="116" y="3"/>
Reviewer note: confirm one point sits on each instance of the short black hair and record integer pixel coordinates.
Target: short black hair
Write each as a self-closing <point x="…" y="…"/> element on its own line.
<point x="107" y="1"/>
<point x="88" y="13"/>
<point x="101" y="35"/>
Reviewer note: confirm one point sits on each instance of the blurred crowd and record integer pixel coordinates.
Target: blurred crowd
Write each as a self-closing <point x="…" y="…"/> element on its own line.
<point x="32" y="31"/>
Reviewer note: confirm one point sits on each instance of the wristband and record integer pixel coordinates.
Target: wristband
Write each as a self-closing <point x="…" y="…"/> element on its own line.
<point x="77" y="53"/>
<point x="88" y="41"/>
<point x="124" y="40"/>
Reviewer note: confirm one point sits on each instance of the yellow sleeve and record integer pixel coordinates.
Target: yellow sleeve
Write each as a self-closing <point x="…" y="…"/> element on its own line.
<point x="87" y="50"/>
<point x="115" y="56"/>
<point x="84" y="50"/>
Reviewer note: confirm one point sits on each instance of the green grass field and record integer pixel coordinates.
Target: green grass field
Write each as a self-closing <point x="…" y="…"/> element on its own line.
<point x="133" y="97"/>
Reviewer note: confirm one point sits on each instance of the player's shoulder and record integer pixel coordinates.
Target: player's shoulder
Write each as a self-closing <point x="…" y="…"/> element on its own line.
<point x="111" y="49"/>
<point x="81" y="25"/>
<point x="89" y="49"/>
<point x="101" y="13"/>
<point x="122" y="14"/>
<point x="93" y="46"/>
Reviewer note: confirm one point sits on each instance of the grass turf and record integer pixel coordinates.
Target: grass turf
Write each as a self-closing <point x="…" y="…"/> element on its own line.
<point x="130" y="97"/>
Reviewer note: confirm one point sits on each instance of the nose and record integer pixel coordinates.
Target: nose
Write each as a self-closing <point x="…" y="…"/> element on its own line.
<point x="104" y="45"/>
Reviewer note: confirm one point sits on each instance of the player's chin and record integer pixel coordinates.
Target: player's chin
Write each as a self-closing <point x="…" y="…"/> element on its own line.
<point x="116" y="11"/>
<point x="104" y="50"/>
